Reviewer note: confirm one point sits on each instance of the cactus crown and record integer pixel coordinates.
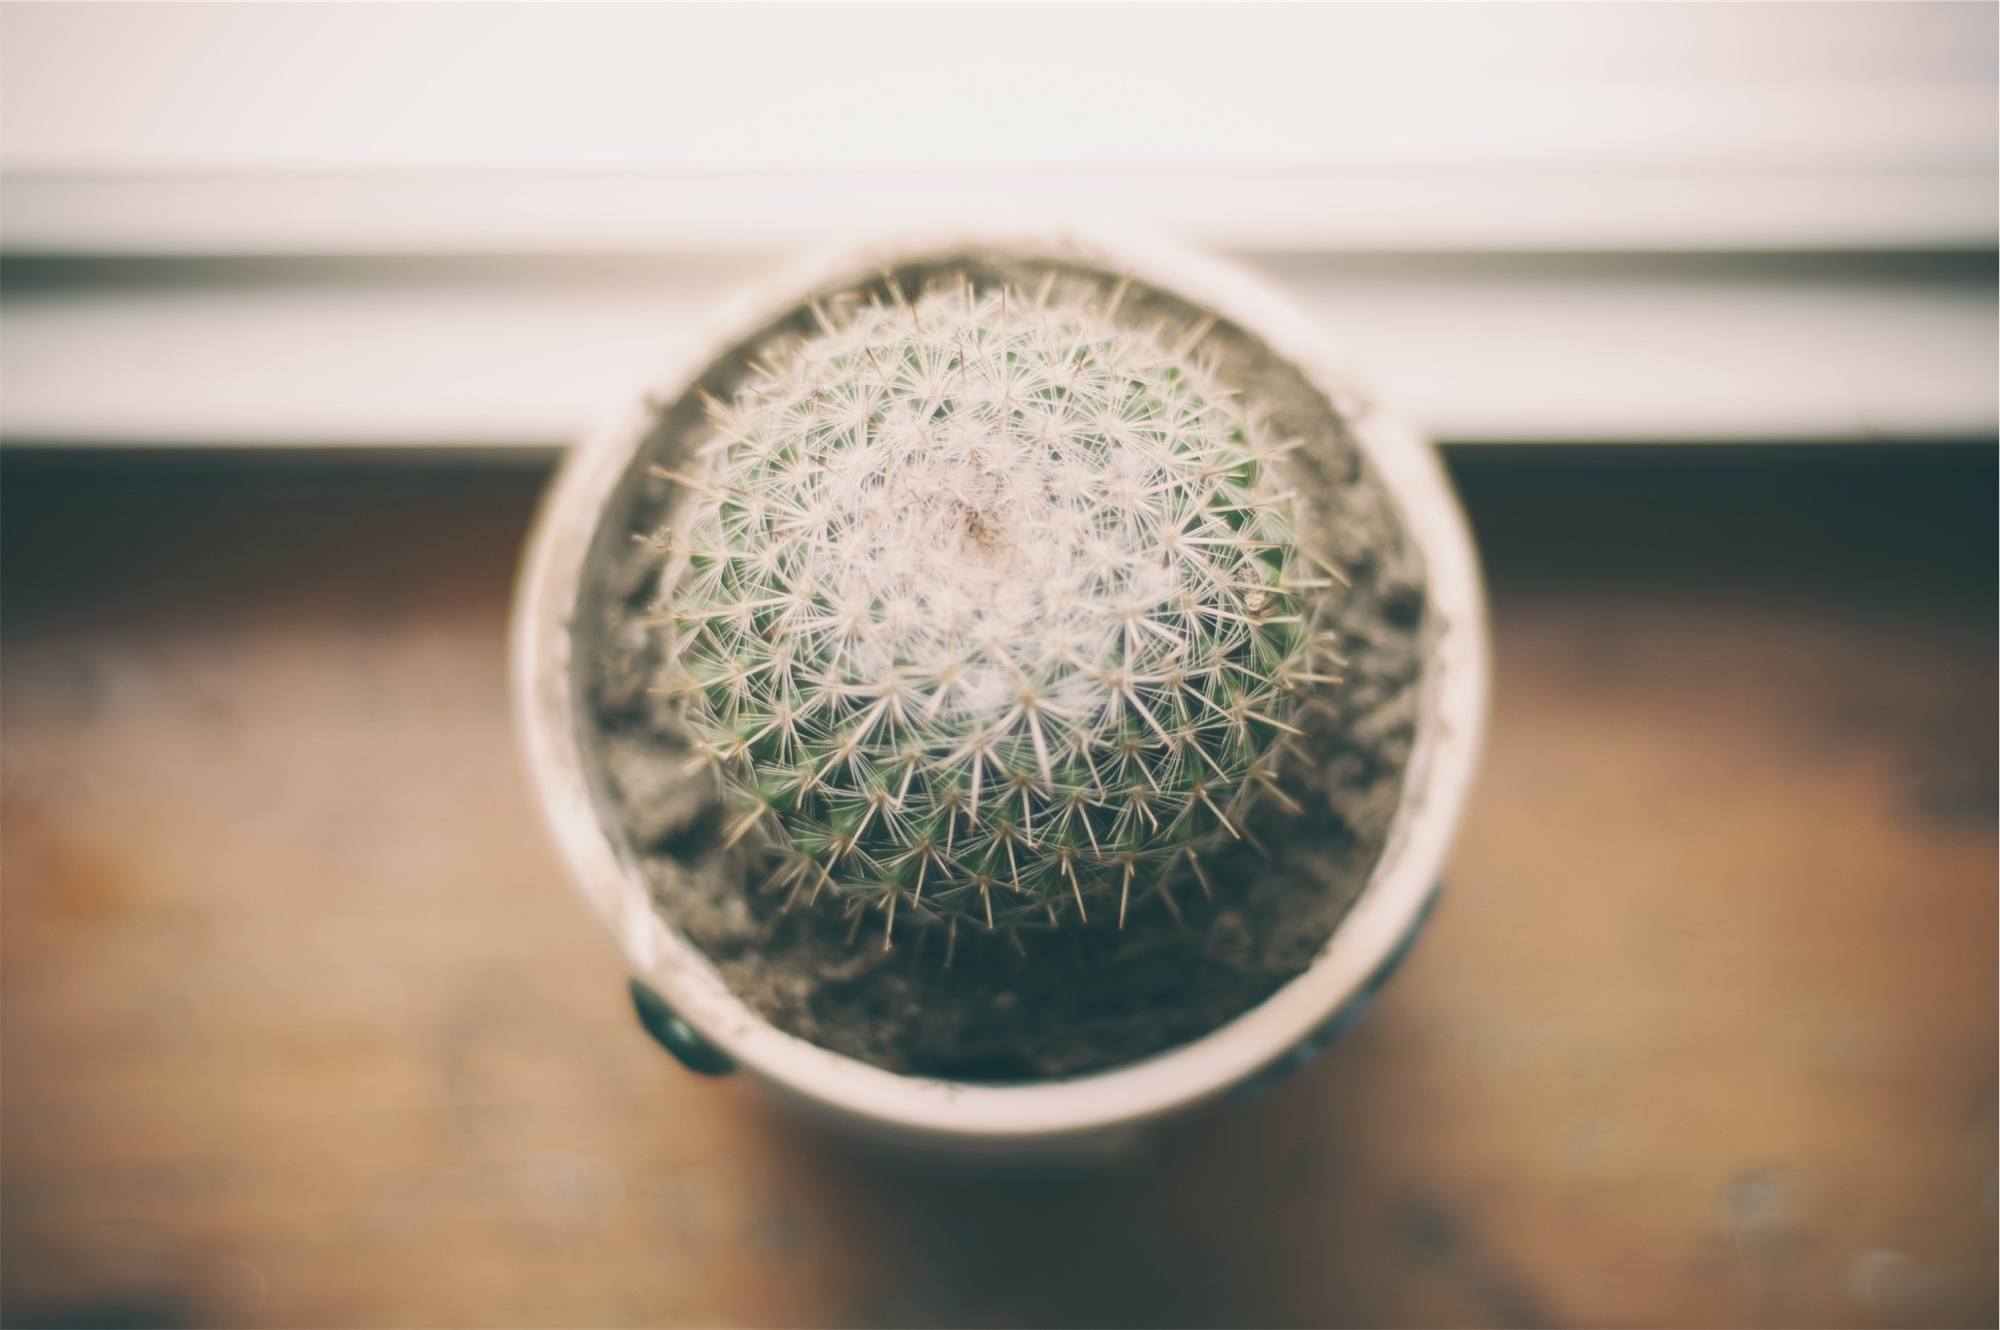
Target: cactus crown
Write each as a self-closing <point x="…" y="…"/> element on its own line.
<point x="985" y="607"/>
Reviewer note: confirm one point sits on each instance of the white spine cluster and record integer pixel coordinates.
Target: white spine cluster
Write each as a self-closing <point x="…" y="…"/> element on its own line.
<point x="987" y="608"/>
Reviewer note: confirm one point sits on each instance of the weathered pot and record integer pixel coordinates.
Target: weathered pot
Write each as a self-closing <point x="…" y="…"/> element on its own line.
<point x="680" y="996"/>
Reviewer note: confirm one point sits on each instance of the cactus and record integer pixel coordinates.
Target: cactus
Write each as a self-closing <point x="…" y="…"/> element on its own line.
<point x="986" y="607"/>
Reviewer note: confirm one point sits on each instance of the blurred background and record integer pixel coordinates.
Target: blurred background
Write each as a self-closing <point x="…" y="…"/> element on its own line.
<point x="299" y="1024"/>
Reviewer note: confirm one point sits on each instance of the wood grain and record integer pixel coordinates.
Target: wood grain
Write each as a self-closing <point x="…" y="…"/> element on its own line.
<point x="302" y="1028"/>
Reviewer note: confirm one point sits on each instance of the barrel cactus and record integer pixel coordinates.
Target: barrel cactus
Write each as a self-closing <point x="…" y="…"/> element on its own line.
<point x="987" y="606"/>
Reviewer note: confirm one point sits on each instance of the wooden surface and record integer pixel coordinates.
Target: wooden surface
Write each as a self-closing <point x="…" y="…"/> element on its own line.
<point x="302" y="1027"/>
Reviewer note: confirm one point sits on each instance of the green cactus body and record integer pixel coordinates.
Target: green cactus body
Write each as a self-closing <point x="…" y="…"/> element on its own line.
<point x="986" y="608"/>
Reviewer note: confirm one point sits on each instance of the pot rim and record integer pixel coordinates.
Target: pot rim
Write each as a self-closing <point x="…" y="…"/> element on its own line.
<point x="548" y="710"/>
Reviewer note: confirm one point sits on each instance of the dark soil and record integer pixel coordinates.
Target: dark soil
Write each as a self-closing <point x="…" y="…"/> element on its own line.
<point x="1030" y="1004"/>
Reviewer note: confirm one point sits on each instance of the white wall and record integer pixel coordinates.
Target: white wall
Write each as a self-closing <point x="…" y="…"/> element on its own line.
<point x="1643" y="150"/>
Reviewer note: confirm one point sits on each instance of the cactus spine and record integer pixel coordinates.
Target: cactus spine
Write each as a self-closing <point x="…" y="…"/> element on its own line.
<point x="988" y="608"/>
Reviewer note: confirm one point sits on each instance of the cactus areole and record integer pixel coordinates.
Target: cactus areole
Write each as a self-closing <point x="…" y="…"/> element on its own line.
<point x="986" y="609"/>
<point x="988" y="663"/>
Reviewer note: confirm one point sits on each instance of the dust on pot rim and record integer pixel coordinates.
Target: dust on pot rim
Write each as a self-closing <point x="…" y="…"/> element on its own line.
<point x="551" y="716"/>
